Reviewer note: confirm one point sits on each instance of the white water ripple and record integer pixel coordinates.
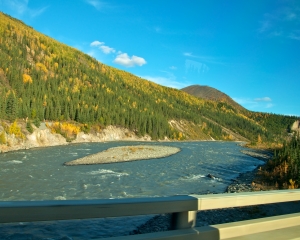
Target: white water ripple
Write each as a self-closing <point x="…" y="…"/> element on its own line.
<point x="15" y="162"/>
<point x="107" y="172"/>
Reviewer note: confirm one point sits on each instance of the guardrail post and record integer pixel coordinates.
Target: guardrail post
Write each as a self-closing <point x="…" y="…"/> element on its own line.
<point x="183" y="220"/>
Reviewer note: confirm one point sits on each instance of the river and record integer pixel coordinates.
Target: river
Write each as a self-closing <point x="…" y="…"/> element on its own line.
<point x="39" y="174"/>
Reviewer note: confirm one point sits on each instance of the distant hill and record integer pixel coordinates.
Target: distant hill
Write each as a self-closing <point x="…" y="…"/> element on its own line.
<point x="43" y="79"/>
<point x="210" y="93"/>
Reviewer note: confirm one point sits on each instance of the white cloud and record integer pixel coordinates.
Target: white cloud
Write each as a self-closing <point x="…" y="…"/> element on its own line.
<point x="276" y="34"/>
<point x="264" y="99"/>
<point x="96" y="44"/>
<point x="173" y="68"/>
<point x="244" y="101"/>
<point x="188" y="54"/>
<point x="102" y="47"/>
<point x="265" y="25"/>
<point x="207" y="59"/>
<point x="256" y="103"/>
<point x="37" y="12"/>
<point x="157" y="29"/>
<point x="291" y="16"/>
<point x="21" y="7"/>
<point x="107" y="49"/>
<point x="281" y="22"/>
<point x="125" y="60"/>
<point x="121" y="58"/>
<point x="294" y="36"/>
<point x="96" y="4"/>
<point x="168" y="80"/>
<point x="195" y="66"/>
<point x="165" y="81"/>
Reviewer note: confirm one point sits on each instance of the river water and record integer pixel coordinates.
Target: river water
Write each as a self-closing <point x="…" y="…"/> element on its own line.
<point x="39" y="174"/>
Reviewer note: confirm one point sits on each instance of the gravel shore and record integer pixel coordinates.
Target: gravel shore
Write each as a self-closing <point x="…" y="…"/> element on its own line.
<point x="125" y="154"/>
<point x="243" y="183"/>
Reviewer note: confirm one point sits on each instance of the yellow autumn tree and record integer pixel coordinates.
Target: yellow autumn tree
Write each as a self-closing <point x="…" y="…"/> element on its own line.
<point x="259" y="140"/>
<point x="27" y="78"/>
<point x="68" y="130"/>
<point x="15" y="129"/>
<point x="41" y="67"/>
<point x="2" y="138"/>
<point x="180" y="136"/>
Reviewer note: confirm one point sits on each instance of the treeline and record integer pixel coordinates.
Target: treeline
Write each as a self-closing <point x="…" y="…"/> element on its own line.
<point x="41" y="78"/>
<point x="275" y="124"/>
<point x="284" y="169"/>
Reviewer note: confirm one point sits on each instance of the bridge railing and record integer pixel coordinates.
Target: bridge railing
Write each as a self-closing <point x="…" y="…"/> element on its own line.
<point x="184" y="209"/>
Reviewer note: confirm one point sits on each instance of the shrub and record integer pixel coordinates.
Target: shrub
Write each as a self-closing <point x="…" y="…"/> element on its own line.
<point x="16" y="130"/>
<point x="29" y="127"/>
<point x="2" y="138"/>
<point x="37" y="122"/>
<point x="67" y="130"/>
<point x="86" y="128"/>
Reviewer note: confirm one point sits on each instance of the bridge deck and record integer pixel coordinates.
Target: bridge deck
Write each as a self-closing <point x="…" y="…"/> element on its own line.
<point x="279" y="227"/>
<point x="184" y="210"/>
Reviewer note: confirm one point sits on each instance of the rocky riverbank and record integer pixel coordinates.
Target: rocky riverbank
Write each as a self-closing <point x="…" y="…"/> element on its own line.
<point x="126" y="154"/>
<point x="243" y="183"/>
<point x="44" y="137"/>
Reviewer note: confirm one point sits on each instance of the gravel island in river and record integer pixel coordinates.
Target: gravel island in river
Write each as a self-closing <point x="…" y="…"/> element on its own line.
<point x="125" y="154"/>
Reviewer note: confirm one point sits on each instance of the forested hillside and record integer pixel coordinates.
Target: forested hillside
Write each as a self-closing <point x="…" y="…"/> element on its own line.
<point x="43" y="79"/>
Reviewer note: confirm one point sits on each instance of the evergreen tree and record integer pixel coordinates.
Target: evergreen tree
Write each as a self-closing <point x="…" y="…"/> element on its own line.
<point x="29" y="127"/>
<point x="11" y="107"/>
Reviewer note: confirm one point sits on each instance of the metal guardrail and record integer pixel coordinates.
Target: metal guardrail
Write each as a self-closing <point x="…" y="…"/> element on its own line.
<point x="183" y="208"/>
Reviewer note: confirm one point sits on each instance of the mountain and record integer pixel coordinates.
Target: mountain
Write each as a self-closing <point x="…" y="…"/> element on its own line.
<point x="43" y="79"/>
<point x="210" y="93"/>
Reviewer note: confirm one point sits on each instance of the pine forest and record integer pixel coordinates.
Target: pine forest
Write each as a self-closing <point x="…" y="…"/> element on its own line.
<point x="44" y="80"/>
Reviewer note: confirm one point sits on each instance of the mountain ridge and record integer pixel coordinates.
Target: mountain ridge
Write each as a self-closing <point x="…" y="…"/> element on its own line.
<point x="43" y="79"/>
<point x="213" y="94"/>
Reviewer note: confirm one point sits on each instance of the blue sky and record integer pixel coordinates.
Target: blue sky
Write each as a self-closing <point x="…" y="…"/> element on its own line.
<point x="249" y="50"/>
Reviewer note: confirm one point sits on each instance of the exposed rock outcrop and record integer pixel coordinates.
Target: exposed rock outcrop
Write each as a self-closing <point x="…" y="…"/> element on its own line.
<point x="39" y="138"/>
<point x="43" y="137"/>
<point x="296" y="126"/>
<point x="111" y="133"/>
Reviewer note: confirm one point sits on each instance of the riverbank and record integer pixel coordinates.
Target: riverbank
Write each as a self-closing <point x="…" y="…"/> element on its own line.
<point x="43" y="136"/>
<point x="243" y="183"/>
<point x="46" y="136"/>
<point x="126" y="154"/>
